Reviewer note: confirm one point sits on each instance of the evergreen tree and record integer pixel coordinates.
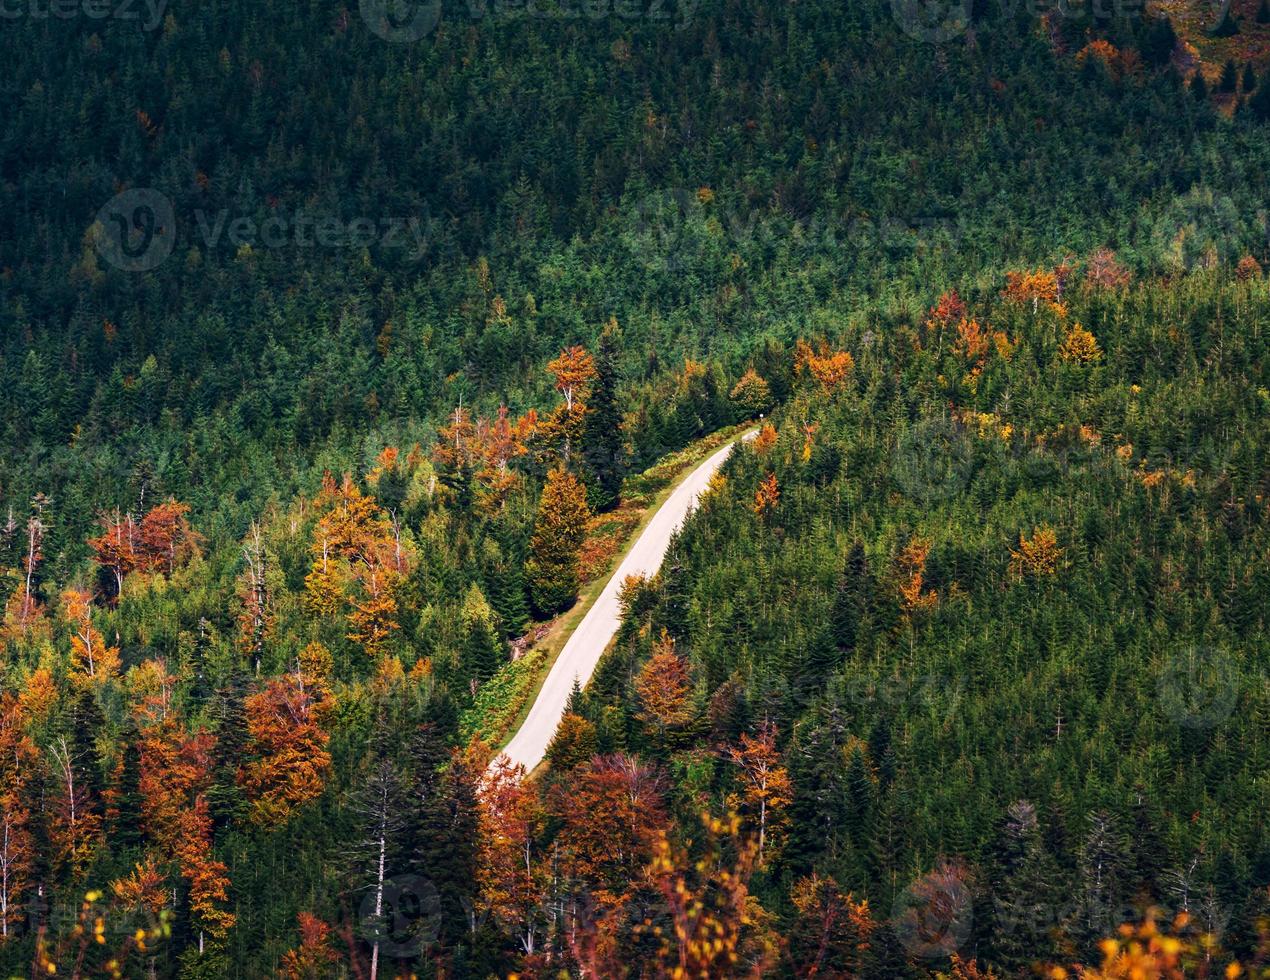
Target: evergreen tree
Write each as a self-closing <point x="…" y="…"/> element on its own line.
<point x="552" y="569"/>
<point x="1158" y="42"/>
<point x="442" y="831"/>
<point x="1199" y="87"/>
<point x="1229" y="80"/>
<point x="483" y="651"/>
<point x="1259" y="104"/>
<point x="228" y="714"/>
<point x="1025" y="890"/>
<point x="1249" y="79"/>
<point x="603" y="448"/>
<point x="852" y="597"/>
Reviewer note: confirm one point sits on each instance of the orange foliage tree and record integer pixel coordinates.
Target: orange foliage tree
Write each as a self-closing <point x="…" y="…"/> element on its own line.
<point x="1035" y="287"/>
<point x="767" y="786"/>
<point x="313" y="959"/>
<point x="828" y="368"/>
<point x="574" y="370"/>
<point x="359" y="556"/>
<point x="664" y="688"/>
<point x="1079" y="346"/>
<point x="288" y="760"/>
<point x="207" y="879"/>
<point x="158" y="542"/>
<point x="18" y="761"/>
<point x="612" y="812"/>
<point x="511" y="876"/>
<point x="767" y="496"/>
<point x="89" y="652"/>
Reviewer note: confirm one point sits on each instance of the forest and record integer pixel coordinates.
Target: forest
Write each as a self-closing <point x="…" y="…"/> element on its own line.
<point x="343" y="351"/>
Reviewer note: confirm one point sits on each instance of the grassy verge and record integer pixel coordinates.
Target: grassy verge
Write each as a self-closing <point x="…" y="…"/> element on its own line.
<point x="503" y="702"/>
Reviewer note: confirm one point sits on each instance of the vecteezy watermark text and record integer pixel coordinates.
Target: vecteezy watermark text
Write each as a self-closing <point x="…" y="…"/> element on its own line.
<point x="137" y="230"/>
<point x="147" y="13"/>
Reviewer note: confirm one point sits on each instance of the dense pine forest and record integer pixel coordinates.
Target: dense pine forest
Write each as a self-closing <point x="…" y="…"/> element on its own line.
<point x="343" y="348"/>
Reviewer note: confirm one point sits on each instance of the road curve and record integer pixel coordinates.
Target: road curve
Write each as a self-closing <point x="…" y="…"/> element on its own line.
<point x="584" y="648"/>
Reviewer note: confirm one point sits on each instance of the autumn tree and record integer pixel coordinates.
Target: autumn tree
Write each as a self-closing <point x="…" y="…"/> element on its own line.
<point x="207" y="877"/>
<point x="552" y="568"/>
<point x="510" y="871"/>
<point x="1079" y="346"/>
<point x="97" y="661"/>
<point x="914" y="597"/>
<point x="947" y="312"/>
<point x="767" y="496"/>
<point x="75" y="830"/>
<point x="18" y="766"/>
<point x="574" y="370"/>
<point x="287" y="756"/>
<point x="611" y="811"/>
<point x="831" y="932"/>
<point x="827" y="368"/>
<point x="1037" y="556"/>
<point x="766" y="788"/>
<point x="664" y="688"/>
<point x="359" y="558"/>
<point x="717" y="926"/>
<point x="1031" y="287"/>
<point x="313" y="959"/>
<point x="751" y="395"/>
<point x="158" y="542"/>
<point x="1103" y="270"/>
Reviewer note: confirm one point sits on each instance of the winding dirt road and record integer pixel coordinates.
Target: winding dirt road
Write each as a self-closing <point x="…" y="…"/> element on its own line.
<point x="584" y="648"/>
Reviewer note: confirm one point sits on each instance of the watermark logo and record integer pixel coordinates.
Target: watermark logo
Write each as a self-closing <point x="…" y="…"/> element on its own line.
<point x="136" y="230"/>
<point x="932" y="460"/>
<point x="932" y="916"/>
<point x="401" y="21"/>
<point x="1198" y="687"/>
<point x="1198" y="230"/>
<point x="402" y="918"/>
<point x="933" y="21"/>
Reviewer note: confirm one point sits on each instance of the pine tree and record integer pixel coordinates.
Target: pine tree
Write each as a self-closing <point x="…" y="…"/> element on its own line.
<point x="482" y="652"/>
<point x="552" y="569"/>
<point x="1199" y="87"/>
<point x="1260" y="103"/>
<point x="1158" y="42"/>
<point x="1025" y="890"/>
<point x="443" y="829"/>
<point x="1229" y="77"/>
<point x="228" y="713"/>
<point x="849" y="616"/>
<point x="603" y="448"/>
<point x="1250" y="78"/>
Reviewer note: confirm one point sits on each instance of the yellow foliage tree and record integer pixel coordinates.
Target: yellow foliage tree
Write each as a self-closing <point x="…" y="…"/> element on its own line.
<point x="1038" y="555"/>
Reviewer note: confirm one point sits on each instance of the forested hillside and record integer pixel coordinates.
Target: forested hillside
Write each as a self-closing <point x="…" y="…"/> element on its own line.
<point x="339" y="348"/>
